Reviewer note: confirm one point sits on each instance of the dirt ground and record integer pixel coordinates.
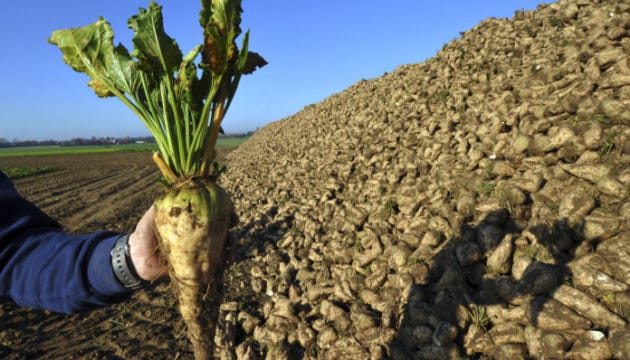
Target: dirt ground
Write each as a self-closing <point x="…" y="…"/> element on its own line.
<point x="89" y="193"/>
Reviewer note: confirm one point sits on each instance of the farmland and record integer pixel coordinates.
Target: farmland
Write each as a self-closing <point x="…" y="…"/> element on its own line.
<point x="74" y="150"/>
<point x="86" y="193"/>
<point x="223" y="143"/>
<point x="87" y="189"/>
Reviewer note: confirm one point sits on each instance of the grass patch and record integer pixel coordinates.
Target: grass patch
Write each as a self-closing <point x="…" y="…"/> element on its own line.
<point x="74" y="150"/>
<point x="486" y="188"/>
<point x="601" y="119"/>
<point x="391" y="207"/>
<point x="478" y="316"/>
<point x="555" y="22"/>
<point x="607" y="145"/>
<point x="231" y="143"/>
<point x="538" y="252"/>
<point x="223" y="143"/>
<point x="358" y="247"/>
<point x="22" y="172"/>
<point x="443" y="95"/>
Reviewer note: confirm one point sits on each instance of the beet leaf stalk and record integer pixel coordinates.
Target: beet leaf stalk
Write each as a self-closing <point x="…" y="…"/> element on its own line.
<point x="182" y="103"/>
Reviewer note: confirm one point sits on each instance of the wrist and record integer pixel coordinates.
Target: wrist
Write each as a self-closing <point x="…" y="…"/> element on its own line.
<point x="123" y="265"/>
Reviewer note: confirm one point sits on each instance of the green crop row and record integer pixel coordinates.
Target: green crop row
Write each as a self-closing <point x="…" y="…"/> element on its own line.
<point x="229" y="143"/>
<point x="20" y="172"/>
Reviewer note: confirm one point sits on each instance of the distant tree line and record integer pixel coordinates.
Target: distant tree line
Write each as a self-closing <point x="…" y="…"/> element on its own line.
<point x="4" y="143"/>
<point x="77" y="141"/>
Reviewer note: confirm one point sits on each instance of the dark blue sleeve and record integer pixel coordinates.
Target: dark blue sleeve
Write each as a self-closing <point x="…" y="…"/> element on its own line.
<point x="44" y="268"/>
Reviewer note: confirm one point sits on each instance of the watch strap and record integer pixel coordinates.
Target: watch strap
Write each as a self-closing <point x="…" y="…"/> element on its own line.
<point x="123" y="266"/>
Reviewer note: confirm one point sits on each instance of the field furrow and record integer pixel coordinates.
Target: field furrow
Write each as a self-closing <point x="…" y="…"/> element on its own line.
<point x="84" y="195"/>
<point x="65" y="198"/>
<point x="134" y="195"/>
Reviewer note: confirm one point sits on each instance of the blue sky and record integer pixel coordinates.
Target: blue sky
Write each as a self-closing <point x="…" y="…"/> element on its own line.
<point x="314" y="49"/>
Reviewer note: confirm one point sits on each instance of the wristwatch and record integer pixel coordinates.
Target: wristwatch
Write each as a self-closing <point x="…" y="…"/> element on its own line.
<point x="123" y="266"/>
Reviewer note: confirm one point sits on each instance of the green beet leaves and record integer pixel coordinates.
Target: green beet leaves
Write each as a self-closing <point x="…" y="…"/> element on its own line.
<point x="161" y="86"/>
<point x="155" y="50"/>
<point x="91" y="50"/>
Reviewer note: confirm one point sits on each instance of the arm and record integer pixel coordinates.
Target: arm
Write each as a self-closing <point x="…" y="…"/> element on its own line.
<point x="44" y="268"/>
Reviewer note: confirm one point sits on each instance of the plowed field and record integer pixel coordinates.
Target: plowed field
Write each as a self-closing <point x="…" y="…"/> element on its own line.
<point x="89" y="193"/>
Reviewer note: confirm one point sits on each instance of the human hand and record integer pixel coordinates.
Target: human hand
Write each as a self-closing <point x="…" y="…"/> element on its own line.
<point x="143" y="249"/>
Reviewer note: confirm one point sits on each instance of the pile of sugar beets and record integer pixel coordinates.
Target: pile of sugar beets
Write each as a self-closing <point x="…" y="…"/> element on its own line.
<point x="472" y="205"/>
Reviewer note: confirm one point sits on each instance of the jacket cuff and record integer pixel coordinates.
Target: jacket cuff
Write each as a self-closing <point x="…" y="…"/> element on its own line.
<point x="101" y="277"/>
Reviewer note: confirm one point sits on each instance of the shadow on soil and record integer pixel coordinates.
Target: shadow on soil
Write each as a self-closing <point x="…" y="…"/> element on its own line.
<point x="237" y="284"/>
<point x="461" y="285"/>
